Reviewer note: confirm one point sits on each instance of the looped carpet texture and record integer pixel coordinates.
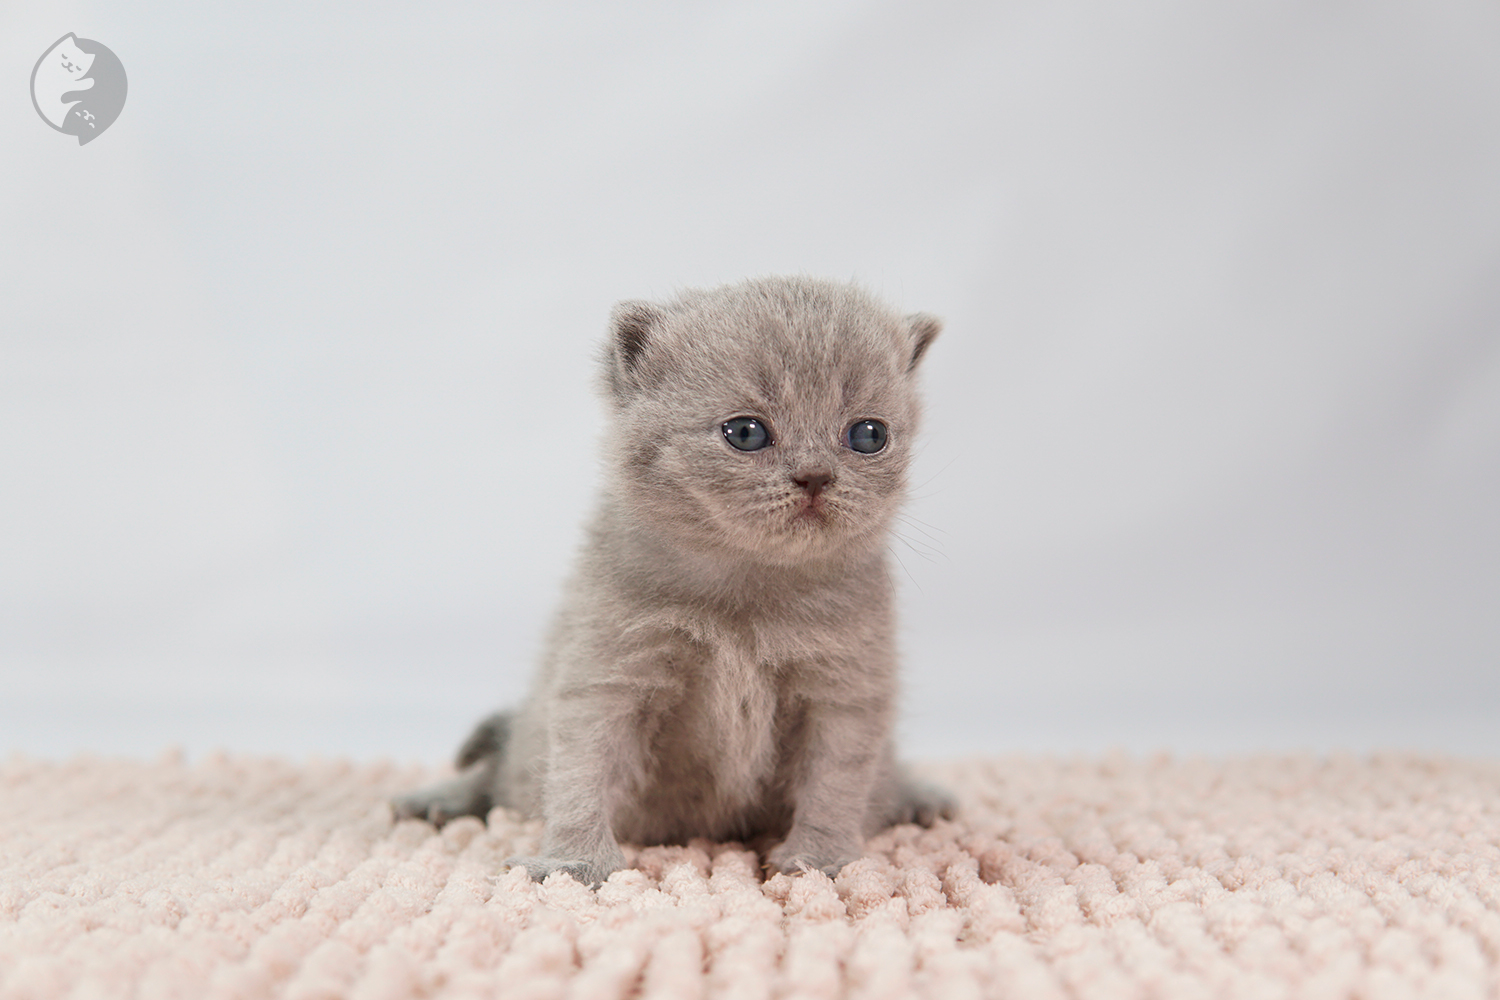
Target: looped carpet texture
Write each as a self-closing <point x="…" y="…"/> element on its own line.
<point x="1112" y="878"/>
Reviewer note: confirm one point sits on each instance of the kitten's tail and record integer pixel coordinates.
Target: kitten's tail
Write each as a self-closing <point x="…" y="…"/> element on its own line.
<point x="487" y="741"/>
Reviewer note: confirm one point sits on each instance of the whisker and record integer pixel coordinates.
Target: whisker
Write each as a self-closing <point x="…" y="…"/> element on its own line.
<point x="913" y="579"/>
<point x="929" y="544"/>
<point x="916" y="526"/>
<point x="929" y="555"/>
<point x="937" y="473"/>
<point x="916" y="520"/>
<point x="928" y="540"/>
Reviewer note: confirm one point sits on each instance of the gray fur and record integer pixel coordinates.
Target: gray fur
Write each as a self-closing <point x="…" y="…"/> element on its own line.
<point x="724" y="662"/>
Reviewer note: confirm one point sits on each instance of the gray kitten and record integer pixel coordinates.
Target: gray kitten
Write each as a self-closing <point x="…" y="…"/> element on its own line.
<point x="724" y="663"/>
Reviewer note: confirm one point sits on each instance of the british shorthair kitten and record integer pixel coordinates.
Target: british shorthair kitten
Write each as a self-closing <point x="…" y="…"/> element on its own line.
<point x="723" y="664"/>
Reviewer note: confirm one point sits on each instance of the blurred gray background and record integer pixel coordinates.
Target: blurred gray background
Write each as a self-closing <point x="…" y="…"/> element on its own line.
<point x="296" y="424"/>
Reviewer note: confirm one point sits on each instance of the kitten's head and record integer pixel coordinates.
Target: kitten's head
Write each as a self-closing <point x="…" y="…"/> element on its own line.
<point x="771" y="421"/>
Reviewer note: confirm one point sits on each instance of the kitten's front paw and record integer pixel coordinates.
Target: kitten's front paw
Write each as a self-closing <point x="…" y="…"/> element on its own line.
<point x="791" y="861"/>
<point x="589" y="873"/>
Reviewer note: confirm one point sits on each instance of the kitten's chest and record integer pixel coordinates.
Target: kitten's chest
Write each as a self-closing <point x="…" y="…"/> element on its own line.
<point x="731" y="700"/>
<point x="723" y="725"/>
<point x="735" y="687"/>
<point x="734" y="668"/>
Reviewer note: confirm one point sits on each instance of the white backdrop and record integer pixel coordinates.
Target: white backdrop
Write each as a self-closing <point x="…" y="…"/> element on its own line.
<point x="296" y="429"/>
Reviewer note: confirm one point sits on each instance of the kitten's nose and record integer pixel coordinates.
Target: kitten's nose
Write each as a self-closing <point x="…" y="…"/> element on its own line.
<point x="814" y="481"/>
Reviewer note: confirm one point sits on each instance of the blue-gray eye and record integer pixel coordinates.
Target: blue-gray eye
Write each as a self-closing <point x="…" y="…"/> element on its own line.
<point x="746" y="433"/>
<point x="868" y="436"/>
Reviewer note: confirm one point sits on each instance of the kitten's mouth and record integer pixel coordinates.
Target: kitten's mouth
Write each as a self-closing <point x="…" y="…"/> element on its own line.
<point x="811" y="510"/>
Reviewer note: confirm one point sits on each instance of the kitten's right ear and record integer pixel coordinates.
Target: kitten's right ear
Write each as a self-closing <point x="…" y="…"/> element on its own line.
<point x="630" y="324"/>
<point x="924" y="328"/>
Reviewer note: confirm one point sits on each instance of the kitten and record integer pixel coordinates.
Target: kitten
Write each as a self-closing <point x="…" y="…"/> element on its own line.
<point x="724" y="663"/>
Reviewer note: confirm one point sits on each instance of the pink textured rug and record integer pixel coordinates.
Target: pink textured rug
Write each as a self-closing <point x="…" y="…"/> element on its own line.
<point x="1114" y="878"/>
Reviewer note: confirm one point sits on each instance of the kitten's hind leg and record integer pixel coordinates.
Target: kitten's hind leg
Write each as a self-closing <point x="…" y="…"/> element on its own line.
<point x="923" y="803"/>
<point x="471" y="793"/>
<point x="466" y="795"/>
<point x="487" y="741"/>
<point x="911" y="800"/>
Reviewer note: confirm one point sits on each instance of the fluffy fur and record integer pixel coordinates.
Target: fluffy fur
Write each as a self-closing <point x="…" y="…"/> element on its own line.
<point x="724" y="663"/>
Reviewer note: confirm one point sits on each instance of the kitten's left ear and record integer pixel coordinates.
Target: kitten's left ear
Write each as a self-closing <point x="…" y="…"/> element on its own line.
<point x="923" y="329"/>
<point x="630" y="328"/>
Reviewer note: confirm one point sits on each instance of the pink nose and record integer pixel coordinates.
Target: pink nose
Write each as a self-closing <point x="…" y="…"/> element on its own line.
<point x="813" y="482"/>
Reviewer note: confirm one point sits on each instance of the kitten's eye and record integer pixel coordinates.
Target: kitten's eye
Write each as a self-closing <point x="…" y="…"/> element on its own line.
<point x="746" y="433"/>
<point x="868" y="436"/>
